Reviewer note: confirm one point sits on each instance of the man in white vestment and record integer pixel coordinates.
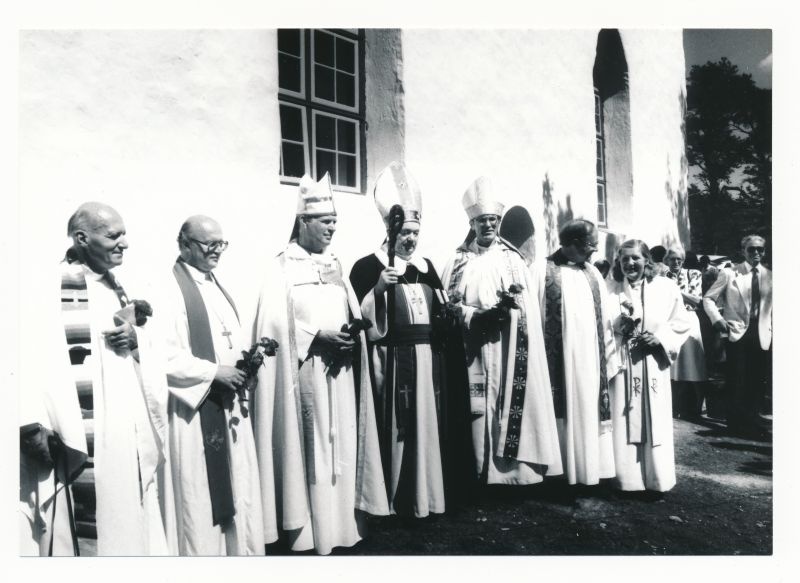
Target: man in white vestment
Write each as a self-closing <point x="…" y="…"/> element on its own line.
<point x="580" y="354"/>
<point x="314" y="417"/>
<point x="121" y="390"/>
<point x="514" y="433"/>
<point x="214" y="464"/>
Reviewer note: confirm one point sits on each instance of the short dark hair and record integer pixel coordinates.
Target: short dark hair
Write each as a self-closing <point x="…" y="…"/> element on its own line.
<point x="649" y="265"/>
<point x="658" y="253"/>
<point x="576" y="231"/>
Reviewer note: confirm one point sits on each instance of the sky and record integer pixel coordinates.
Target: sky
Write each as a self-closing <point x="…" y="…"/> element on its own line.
<point x="748" y="49"/>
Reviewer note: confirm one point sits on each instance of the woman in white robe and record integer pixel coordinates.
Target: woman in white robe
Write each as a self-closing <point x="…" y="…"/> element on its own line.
<point x="650" y="325"/>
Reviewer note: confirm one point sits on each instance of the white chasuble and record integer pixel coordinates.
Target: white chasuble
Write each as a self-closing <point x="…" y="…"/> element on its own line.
<point x="497" y="365"/>
<point x="317" y="445"/>
<point x="190" y="380"/>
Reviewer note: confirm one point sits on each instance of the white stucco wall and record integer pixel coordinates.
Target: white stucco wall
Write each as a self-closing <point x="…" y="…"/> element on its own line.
<point x="159" y="124"/>
<point x="518" y="106"/>
<point x="164" y="124"/>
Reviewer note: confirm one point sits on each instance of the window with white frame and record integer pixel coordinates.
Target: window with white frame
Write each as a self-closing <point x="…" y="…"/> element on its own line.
<point x="321" y="98"/>
<point x="600" y="161"/>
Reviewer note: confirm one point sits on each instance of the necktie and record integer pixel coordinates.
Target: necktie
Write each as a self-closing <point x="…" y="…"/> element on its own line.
<point x="755" y="296"/>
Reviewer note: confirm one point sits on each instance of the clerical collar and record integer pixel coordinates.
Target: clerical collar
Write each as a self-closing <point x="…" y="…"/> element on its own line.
<point x="90" y="273"/>
<point x="399" y="263"/>
<point x="560" y="259"/>
<point x="296" y="251"/>
<point x="480" y="250"/>
<point x="197" y="275"/>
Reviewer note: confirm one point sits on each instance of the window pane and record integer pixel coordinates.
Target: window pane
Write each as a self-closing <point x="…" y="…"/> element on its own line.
<point x="601" y="203"/>
<point x="323" y="83"/>
<point x="326" y="162"/>
<point x="346" y="136"/>
<point x="347" y="170"/>
<point x="345" y="89"/>
<point x="600" y="169"/>
<point x="294" y="163"/>
<point x="345" y="55"/>
<point x="289" y="73"/>
<point x="326" y="132"/>
<point x="291" y="123"/>
<point x="289" y="40"/>
<point x="323" y="48"/>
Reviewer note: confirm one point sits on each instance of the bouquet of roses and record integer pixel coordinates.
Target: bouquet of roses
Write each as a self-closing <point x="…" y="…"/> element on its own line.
<point x="507" y="299"/>
<point x="251" y="361"/>
<point x="628" y="326"/>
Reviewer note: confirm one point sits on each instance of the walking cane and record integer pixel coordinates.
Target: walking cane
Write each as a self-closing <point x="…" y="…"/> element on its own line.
<point x="396" y="220"/>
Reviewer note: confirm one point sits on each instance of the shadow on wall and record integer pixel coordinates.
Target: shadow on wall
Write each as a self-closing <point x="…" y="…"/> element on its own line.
<point x="555" y="215"/>
<point x="677" y="197"/>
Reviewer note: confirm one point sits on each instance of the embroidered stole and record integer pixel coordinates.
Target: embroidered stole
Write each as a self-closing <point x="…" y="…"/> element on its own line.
<point x="554" y="342"/>
<point x="512" y="404"/>
<point x="639" y="386"/>
<point x="212" y="414"/>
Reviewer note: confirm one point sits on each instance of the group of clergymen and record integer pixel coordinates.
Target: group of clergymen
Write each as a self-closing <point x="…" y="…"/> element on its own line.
<point x="390" y="392"/>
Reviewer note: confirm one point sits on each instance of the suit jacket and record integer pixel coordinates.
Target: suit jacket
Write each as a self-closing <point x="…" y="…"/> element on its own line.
<point x="735" y="288"/>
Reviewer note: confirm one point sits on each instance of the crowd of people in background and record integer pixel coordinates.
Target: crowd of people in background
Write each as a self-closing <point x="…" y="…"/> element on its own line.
<point x="171" y="426"/>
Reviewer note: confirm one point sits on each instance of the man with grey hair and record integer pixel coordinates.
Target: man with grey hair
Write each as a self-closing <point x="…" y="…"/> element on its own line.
<point x="119" y="387"/>
<point x="747" y="298"/>
<point x="215" y="470"/>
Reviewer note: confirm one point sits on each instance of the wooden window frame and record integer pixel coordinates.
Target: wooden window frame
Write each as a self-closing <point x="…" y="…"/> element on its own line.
<point x="310" y="104"/>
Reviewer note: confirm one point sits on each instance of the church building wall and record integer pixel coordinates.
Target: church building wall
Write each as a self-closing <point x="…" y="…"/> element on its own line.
<point x="164" y="124"/>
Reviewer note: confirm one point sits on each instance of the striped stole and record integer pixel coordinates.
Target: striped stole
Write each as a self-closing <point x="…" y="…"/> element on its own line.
<point x="77" y="329"/>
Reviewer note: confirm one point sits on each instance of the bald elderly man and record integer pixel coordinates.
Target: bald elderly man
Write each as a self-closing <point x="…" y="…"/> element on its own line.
<point x="109" y="407"/>
<point x="215" y="472"/>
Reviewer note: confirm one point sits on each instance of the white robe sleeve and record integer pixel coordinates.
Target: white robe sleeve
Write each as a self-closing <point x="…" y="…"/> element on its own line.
<point x="189" y="377"/>
<point x="713" y="293"/>
<point x="373" y="307"/>
<point x="304" y="336"/>
<point x="674" y="329"/>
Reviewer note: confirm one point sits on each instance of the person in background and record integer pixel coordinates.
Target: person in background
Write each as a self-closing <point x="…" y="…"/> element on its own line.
<point x="689" y="374"/>
<point x="658" y="252"/>
<point x="604" y="267"/>
<point x="747" y="320"/>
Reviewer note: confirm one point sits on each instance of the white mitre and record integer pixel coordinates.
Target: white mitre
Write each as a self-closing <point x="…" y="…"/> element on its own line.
<point x="315" y="198"/>
<point x="395" y="185"/>
<point x="479" y="199"/>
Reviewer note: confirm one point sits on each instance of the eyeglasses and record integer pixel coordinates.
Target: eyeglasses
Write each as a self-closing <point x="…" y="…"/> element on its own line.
<point x="760" y="250"/>
<point x="210" y="246"/>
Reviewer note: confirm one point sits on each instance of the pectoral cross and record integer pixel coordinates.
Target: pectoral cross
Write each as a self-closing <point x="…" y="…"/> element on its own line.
<point x="227" y="334"/>
<point x="416" y="300"/>
<point x="405" y="391"/>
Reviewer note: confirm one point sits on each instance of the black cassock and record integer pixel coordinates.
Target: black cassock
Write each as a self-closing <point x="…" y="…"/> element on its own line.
<point x="397" y="399"/>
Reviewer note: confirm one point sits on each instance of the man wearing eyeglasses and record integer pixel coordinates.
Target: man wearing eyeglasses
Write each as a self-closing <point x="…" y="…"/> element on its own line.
<point x="747" y="306"/>
<point x="215" y="471"/>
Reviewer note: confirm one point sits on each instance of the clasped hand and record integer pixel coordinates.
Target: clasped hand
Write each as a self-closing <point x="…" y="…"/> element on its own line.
<point x="123" y="337"/>
<point x="649" y="339"/>
<point x="387" y="278"/>
<point x="332" y="342"/>
<point x="484" y="320"/>
<point x="230" y="377"/>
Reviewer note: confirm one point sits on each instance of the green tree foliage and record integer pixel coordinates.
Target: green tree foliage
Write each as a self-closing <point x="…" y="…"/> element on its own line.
<point x="729" y="147"/>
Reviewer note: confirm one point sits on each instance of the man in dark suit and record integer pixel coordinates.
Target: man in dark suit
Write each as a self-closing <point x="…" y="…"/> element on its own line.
<point x="746" y="291"/>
